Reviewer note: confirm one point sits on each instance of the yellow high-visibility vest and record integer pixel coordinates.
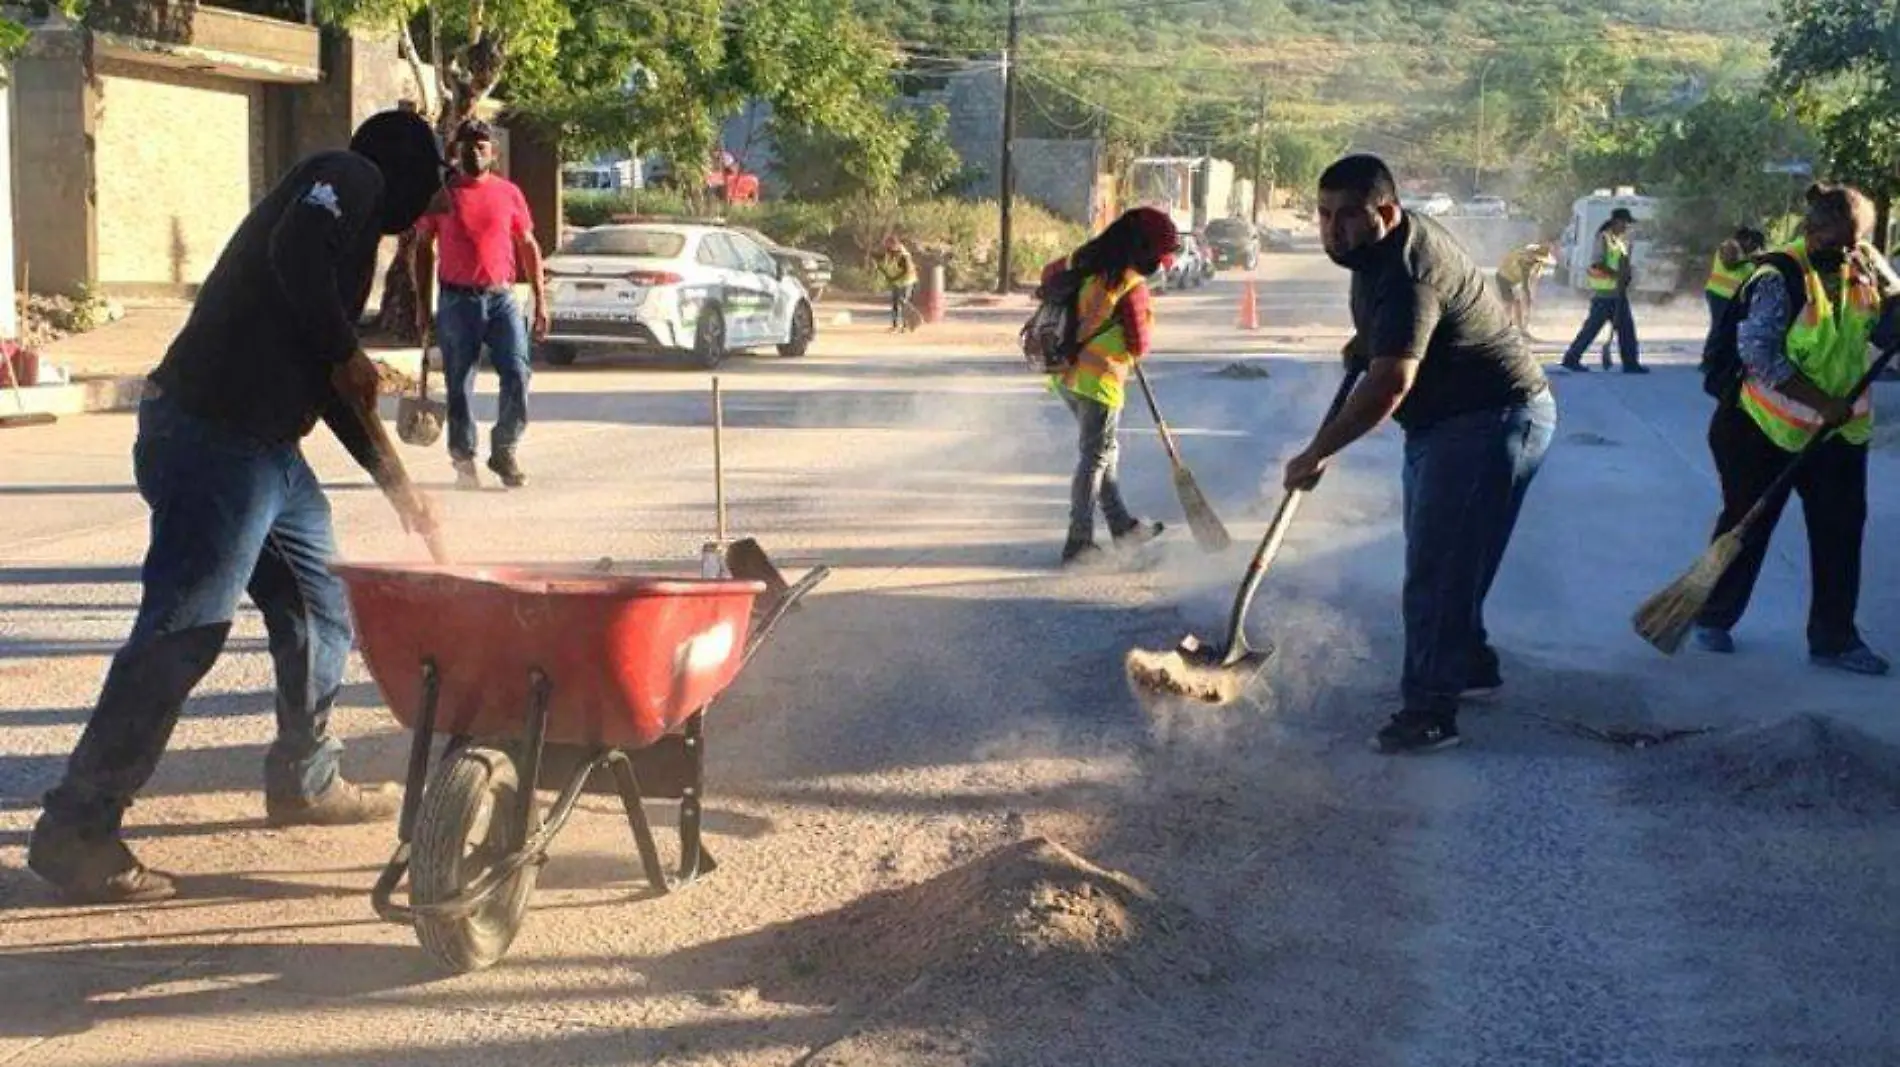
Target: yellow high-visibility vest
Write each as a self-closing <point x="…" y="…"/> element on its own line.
<point x="1102" y="367"/>
<point x="1828" y="344"/>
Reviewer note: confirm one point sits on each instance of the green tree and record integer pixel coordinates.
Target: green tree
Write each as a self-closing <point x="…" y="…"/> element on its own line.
<point x="1840" y="60"/>
<point x="905" y="157"/>
<point x="1712" y="166"/>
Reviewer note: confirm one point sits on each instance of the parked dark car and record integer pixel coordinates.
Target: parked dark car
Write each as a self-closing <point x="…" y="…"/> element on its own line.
<point x="812" y="268"/>
<point x="1233" y="243"/>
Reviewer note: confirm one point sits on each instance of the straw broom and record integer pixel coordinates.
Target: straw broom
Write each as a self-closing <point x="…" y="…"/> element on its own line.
<point x="1665" y="618"/>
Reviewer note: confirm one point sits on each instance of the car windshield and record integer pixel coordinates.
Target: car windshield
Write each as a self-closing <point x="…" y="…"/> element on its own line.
<point x="1224" y="228"/>
<point x="764" y="242"/>
<point x="621" y="241"/>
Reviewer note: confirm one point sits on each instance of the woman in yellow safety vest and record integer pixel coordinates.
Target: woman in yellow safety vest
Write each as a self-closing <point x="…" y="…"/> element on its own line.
<point x="899" y="271"/>
<point x="1803" y="353"/>
<point x="1733" y="264"/>
<point x="1113" y="320"/>
<point x="1609" y="277"/>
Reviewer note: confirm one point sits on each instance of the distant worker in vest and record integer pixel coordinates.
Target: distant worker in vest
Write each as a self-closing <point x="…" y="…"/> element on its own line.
<point x="1802" y="352"/>
<point x="1609" y="276"/>
<point x="1114" y="319"/>
<point x="899" y="271"/>
<point x="1517" y="277"/>
<point x="487" y="238"/>
<point x="1734" y="263"/>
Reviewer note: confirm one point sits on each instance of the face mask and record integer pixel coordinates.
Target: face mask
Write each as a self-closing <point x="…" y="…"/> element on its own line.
<point x="470" y="160"/>
<point x="1356" y="259"/>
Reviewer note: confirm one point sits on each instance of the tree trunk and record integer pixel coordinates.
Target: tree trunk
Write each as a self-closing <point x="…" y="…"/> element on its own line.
<point x="1883" y="222"/>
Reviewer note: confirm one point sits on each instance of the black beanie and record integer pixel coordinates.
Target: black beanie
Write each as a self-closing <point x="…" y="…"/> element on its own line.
<point x="403" y="147"/>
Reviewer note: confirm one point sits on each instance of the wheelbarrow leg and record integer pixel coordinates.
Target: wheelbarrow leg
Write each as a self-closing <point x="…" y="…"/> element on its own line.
<point x="695" y="860"/>
<point x="527" y="810"/>
<point x="382" y="896"/>
<point x="629" y="784"/>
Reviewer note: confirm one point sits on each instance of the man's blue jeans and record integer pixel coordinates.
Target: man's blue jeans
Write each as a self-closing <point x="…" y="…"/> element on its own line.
<point x="1465" y="479"/>
<point x="230" y="515"/>
<point x="465" y="321"/>
<point x="1605" y="310"/>
<point x="1096" y="476"/>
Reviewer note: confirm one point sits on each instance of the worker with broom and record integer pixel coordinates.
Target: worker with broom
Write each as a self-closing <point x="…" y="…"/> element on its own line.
<point x="898" y="268"/>
<point x="269" y="349"/>
<point x="1113" y="320"/>
<point x="1802" y="352"/>
<point x="1439" y="356"/>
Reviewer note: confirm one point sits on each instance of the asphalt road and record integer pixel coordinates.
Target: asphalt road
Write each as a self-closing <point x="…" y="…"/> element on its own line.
<point x="1539" y="896"/>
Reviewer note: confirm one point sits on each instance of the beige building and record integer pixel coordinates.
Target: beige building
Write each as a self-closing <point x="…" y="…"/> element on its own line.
<point x="138" y="146"/>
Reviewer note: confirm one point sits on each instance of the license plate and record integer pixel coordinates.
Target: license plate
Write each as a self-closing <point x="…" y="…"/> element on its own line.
<point x="590" y="287"/>
<point x="594" y="315"/>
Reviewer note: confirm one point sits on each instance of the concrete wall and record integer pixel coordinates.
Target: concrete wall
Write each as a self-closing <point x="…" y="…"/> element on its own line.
<point x="1058" y="175"/>
<point x="179" y="161"/>
<point x="53" y="236"/>
<point x="10" y="306"/>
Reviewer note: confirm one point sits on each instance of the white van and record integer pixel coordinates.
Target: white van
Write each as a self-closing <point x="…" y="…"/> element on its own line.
<point x="1656" y="270"/>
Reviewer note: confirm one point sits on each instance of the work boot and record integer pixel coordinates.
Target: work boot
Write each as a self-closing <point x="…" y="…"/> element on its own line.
<point x="505" y="468"/>
<point x="90" y="869"/>
<point x="1713" y="639"/>
<point x="1417" y="732"/>
<point x="1856" y="660"/>
<point x="1140" y="533"/>
<point x="1635" y="368"/>
<point x="465" y="476"/>
<point x="1082" y="554"/>
<point x="1573" y="367"/>
<point x="343" y="804"/>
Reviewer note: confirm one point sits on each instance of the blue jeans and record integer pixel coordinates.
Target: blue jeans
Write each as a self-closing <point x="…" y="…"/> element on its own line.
<point x="1096" y="477"/>
<point x="465" y="322"/>
<point x="1603" y="311"/>
<point x="230" y="515"/>
<point x="1465" y="479"/>
<point x="900" y="295"/>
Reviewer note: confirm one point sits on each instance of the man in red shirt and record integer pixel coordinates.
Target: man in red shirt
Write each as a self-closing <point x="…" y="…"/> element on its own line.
<point x="487" y="239"/>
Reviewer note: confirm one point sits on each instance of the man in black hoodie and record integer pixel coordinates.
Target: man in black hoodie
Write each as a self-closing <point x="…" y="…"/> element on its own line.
<point x="269" y="350"/>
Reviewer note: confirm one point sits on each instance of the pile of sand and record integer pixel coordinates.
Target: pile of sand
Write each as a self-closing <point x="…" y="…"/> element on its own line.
<point x="1808" y="762"/>
<point x="1239" y="371"/>
<point x="1030" y="925"/>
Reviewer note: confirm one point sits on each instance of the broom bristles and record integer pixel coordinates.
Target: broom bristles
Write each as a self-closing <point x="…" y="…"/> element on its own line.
<point x="1209" y="532"/>
<point x="1665" y="618"/>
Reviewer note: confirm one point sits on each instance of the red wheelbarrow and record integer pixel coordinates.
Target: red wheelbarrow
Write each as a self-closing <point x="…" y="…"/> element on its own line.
<point x="547" y="676"/>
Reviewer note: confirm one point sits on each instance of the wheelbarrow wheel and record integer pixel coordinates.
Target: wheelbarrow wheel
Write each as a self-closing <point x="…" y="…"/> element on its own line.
<point x="465" y="826"/>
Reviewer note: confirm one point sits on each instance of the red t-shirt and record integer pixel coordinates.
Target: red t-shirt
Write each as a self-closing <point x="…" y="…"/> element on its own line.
<point x="476" y="233"/>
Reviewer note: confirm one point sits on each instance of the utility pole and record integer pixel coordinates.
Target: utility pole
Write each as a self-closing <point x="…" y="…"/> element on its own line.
<point x="1007" y="194"/>
<point x="1259" y="154"/>
<point x="1477" y="165"/>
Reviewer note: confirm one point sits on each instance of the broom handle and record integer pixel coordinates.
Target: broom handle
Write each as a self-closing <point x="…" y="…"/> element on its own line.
<point x="1779" y="487"/>
<point x="1161" y="424"/>
<point x="719" y="463"/>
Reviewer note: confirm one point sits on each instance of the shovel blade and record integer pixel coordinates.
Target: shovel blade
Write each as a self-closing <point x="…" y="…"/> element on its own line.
<point x="1194" y="671"/>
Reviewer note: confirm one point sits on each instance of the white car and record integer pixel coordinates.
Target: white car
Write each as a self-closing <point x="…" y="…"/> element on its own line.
<point x="676" y="287"/>
<point x="1487" y="207"/>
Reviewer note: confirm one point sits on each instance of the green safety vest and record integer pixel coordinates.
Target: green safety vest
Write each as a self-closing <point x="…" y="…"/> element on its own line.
<point x="1828" y="344"/>
<point x="1725" y="281"/>
<point x="1103" y="365"/>
<point x="1603" y="276"/>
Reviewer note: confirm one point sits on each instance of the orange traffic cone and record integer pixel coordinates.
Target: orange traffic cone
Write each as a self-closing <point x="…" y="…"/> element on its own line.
<point x="1249" y="308"/>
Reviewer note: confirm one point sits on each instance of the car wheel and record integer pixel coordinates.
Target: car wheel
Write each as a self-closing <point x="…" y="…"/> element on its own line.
<point x="709" y="338"/>
<point x="802" y="333"/>
<point x="555" y="355"/>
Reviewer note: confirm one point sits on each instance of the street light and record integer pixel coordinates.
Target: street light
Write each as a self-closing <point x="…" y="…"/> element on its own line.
<point x="1477" y="165"/>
